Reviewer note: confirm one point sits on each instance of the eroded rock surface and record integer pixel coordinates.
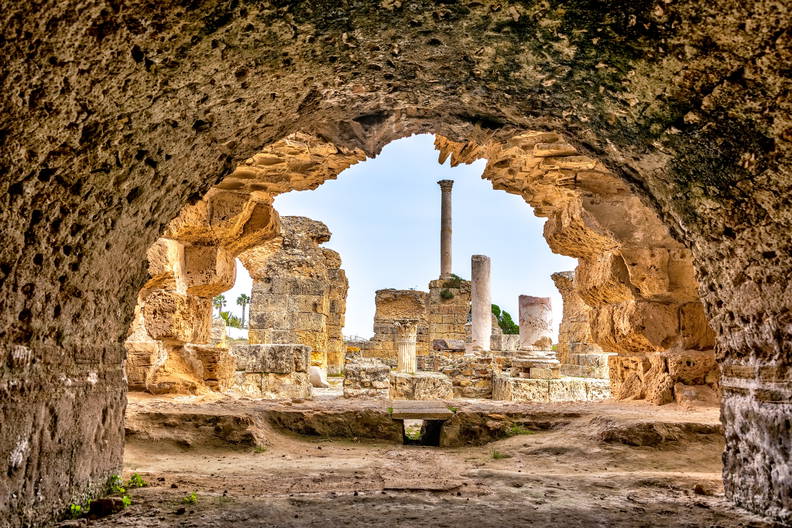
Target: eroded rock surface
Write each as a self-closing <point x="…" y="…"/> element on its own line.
<point x="299" y="291"/>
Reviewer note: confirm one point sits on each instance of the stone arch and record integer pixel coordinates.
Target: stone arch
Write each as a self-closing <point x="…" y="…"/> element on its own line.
<point x="685" y="103"/>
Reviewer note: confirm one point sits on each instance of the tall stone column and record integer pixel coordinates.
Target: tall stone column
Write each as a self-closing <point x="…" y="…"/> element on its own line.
<point x="536" y="320"/>
<point x="406" y="337"/>
<point x="445" y="228"/>
<point x="481" y="304"/>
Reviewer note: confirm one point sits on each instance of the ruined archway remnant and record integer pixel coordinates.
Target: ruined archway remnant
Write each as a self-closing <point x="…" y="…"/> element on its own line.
<point x="168" y="347"/>
<point x="685" y="103"/>
<point x="299" y="291"/>
<point x="578" y="354"/>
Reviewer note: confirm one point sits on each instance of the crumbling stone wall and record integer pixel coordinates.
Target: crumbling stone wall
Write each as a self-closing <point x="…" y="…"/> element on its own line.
<point x="578" y="354"/>
<point x="448" y="306"/>
<point x="391" y="306"/>
<point x="273" y="371"/>
<point x="299" y="290"/>
<point x="339" y="286"/>
<point x="108" y="128"/>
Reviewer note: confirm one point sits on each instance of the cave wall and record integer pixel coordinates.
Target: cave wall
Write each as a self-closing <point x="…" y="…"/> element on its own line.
<point x="114" y="116"/>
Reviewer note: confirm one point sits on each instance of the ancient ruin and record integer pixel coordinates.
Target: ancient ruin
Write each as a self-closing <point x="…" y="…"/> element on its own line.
<point x="299" y="291"/>
<point x="143" y="144"/>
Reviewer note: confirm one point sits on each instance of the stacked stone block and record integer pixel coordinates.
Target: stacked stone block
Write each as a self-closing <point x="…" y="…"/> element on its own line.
<point x="366" y="378"/>
<point x="420" y="386"/>
<point x="299" y="291"/>
<point x="471" y="376"/>
<point x="393" y="306"/>
<point x="272" y="371"/>
<point x="510" y="388"/>
<point x="448" y="306"/>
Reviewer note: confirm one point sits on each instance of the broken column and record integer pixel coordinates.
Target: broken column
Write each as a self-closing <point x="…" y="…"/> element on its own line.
<point x="445" y="228"/>
<point x="536" y="319"/>
<point x="405" y="337"/>
<point x="481" y="304"/>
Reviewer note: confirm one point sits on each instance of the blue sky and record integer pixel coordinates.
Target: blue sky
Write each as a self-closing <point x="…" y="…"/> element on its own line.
<point x="384" y="214"/>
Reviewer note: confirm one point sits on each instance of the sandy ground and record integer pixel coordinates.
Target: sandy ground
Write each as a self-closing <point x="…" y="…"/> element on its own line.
<point x="565" y="477"/>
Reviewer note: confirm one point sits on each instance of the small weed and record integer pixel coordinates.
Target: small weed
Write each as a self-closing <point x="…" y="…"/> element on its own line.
<point x="126" y="501"/>
<point x="413" y="432"/>
<point x="454" y="282"/>
<point x="116" y="485"/>
<point x="259" y="449"/>
<point x="497" y="455"/>
<point x="518" y="429"/>
<point x="78" y="510"/>
<point x="192" y="498"/>
<point x="136" y="481"/>
<point x="390" y="410"/>
<point x="453" y="409"/>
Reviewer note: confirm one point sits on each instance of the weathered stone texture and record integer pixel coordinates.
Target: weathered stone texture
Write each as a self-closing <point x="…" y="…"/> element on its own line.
<point x="536" y="320"/>
<point x="420" y="386"/>
<point x="110" y="127"/>
<point x="448" y="306"/>
<point x="574" y="332"/>
<point x="366" y="378"/>
<point x="510" y="388"/>
<point x="471" y="376"/>
<point x="299" y="290"/>
<point x="272" y="371"/>
<point x="657" y="377"/>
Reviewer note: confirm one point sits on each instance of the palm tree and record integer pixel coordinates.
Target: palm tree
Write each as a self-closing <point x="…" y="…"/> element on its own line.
<point x="243" y="300"/>
<point x="219" y="302"/>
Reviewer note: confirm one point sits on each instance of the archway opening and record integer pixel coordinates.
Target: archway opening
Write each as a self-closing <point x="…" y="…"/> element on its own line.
<point x="632" y="291"/>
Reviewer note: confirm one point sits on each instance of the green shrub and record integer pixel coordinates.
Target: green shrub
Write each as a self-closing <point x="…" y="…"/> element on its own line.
<point x="78" y="510"/>
<point x="446" y="294"/>
<point x="136" y="481"/>
<point x="505" y="322"/>
<point x="116" y="485"/>
<point x="454" y="282"/>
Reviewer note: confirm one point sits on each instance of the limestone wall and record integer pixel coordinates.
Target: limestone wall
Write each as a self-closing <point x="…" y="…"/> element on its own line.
<point x="448" y="306"/>
<point x="578" y="354"/>
<point x="191" y="263"/>
<point x="299" y="291"/>
<point x="391" y="306"/>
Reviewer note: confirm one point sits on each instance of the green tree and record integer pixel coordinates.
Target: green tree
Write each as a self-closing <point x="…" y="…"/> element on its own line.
<point x="507" y="325"/>
<point x="243" y="300"/>
<point x="231" y="320"/>
<point x="219" y="302"/>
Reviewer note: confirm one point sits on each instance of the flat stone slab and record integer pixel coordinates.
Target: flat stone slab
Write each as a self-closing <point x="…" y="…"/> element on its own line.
<point x="272" y="358"/>
<point x="419" y="410"/>
<point x="535" y="362"/>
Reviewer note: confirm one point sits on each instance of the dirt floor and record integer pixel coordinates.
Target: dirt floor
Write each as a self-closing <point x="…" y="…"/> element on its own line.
<point x="578" y="471"/>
